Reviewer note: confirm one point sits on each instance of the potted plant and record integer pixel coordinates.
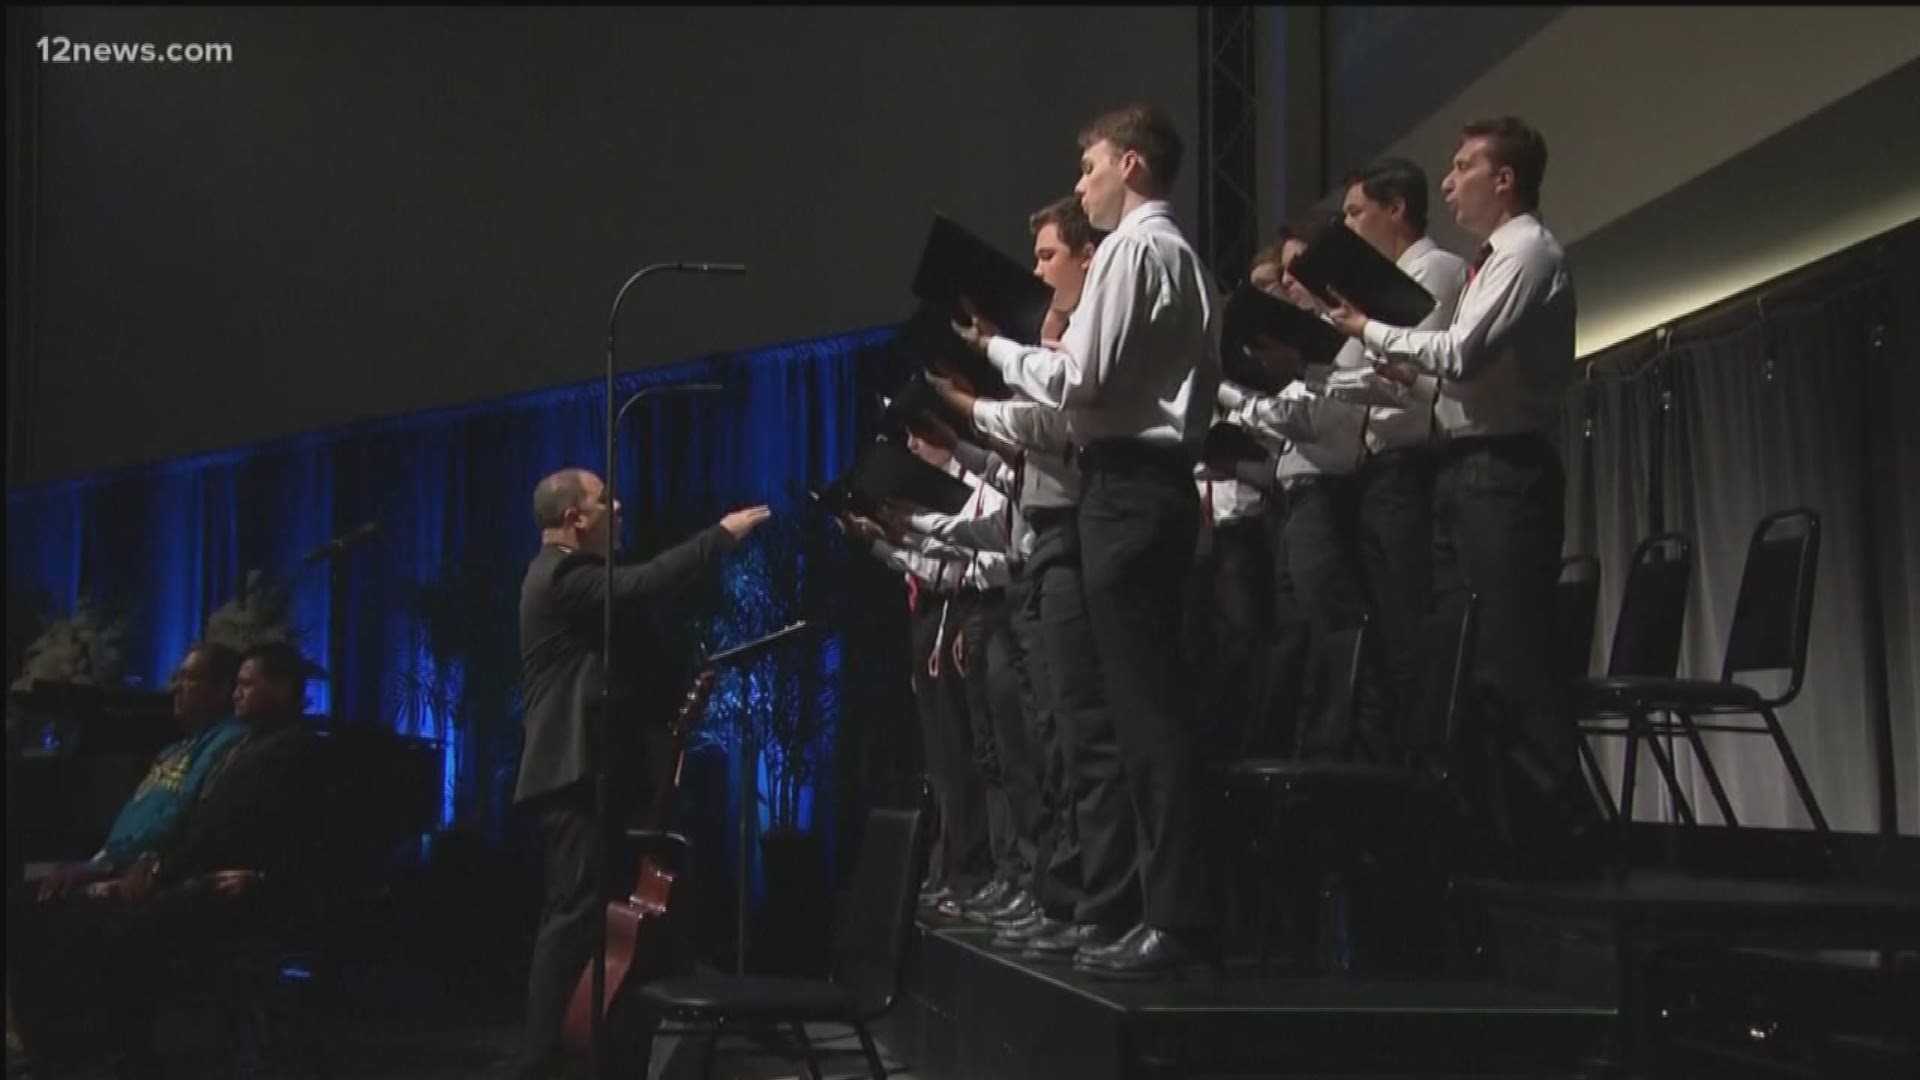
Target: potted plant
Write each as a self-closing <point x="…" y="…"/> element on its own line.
<point x="84" y="649"/>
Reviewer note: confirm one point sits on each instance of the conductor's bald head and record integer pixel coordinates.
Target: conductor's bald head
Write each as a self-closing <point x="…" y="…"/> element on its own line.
<point x="571" y="509"/>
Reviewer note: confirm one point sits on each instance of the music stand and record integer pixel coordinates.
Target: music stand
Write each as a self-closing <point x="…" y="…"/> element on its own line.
<point x="749" y="788"/>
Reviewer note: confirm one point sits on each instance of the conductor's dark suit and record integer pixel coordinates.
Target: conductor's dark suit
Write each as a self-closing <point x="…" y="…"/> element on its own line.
<point x="561" y="611"/>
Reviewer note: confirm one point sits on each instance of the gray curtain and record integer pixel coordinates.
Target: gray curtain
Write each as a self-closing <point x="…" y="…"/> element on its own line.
<point x="1752" y="409"/>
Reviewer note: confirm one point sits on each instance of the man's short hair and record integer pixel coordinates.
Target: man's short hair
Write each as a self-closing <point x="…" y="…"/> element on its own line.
<point x="223" y="661"/>
<point x="1306" y="229"/>
<point x="279" y="662"/>
<point x="1146" y="130"/>
<point x="1395" y="178"/>
<point x="556" y="495"/>
<point x="1511" y="143"/>
<point x="1068" y="216"/>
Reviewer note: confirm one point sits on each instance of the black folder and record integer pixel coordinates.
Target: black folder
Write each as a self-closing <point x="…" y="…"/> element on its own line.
<point x="1340" y="260"/>
<point x="887" y="471"/>
<point x="1228" y="443"/>
<point x="1251" y="313"/>
<point x="955" y="263"/>
<point x="927" y="340"/>
<point x="916" y="400"/>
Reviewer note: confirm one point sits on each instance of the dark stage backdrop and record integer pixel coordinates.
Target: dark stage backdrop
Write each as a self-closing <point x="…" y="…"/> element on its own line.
<point x="376" y="210"/>
<point x="429" y="608"/>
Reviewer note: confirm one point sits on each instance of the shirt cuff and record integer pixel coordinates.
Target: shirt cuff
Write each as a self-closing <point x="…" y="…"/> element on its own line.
<point x="924" y="523"/>
<point x="1375" y="335"/>
<point x="1004" y="353"/>
<point x="1230" y="397"/>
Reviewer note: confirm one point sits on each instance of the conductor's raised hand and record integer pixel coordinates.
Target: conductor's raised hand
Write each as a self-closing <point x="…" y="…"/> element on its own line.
<point x="741" y="522"/>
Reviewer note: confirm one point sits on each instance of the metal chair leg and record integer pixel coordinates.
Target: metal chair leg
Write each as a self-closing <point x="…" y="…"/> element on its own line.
<point x="1602" y="794"/>
<point x="805" y="1046"/>
<point x="706" y="1051"/>
<point x="1662" y="759"/>
<point x="1793" y="770"/>
<point x="1706" y="769"/>
<point x="877" y="1067"/>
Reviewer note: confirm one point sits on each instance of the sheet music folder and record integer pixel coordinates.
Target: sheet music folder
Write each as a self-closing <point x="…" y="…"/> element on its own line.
<point x="956" y="263"/>
<point x="927" y="339"/>
<point x="1251" y="313"/>
<point x="1228" y="443"/>
<point x="916" y="400"/>
<point x="887" y="471"/>
<point x="1340" y="260"/>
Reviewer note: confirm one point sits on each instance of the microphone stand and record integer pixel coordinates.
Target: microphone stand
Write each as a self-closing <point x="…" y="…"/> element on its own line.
<point x="597" y="740"/>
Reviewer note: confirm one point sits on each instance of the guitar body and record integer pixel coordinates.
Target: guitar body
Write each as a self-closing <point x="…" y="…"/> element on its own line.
<point x="636" y="953"/>
<point x="642" y="943"/>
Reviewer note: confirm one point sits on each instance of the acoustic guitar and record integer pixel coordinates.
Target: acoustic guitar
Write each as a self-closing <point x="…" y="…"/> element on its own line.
<point x="635" y="950"/>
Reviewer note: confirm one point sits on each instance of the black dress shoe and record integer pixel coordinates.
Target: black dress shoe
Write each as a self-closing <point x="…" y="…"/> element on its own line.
<point x="955" y="905"/>
<point x="1065" y="943"/>
<point x="1025" y="922"/>
<point x="1100" y="950"/>
<point x="1155" y="954"/>
<point x="1015" y="906"/>
<point x="932" y="897"/>
<point x="1017" y="937"/>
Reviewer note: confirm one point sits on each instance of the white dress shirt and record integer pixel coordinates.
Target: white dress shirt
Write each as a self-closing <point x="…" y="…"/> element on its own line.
<point x="1506" y="359"/>
<point x="1226" y="498"/>
<point x="1443" y="274"/>
<point x="1047" y="474"/>
<point x="1314" y="434"/>
<point x="1140" y="357"/>
<point x="947" y="575"/>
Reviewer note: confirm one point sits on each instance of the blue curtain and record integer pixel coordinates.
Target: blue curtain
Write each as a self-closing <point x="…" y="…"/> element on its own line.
<point x="428" y="619"/>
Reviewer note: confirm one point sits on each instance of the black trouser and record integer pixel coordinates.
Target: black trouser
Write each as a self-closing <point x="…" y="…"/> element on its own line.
<point x="1324" y="562"/>
<point x="94" y="973"/>
<point x="923" y="623"/>
<point x="1230" y="637"/>
<point x="1498" y="527"/>
<point x="966" y="859"/>
<point x="579" y="869"/>
<point x="1092" y="873"/>
<point x="992" y="669"/>
<point x="1396" y="543"/>
<point x="571" y="912"/>
<point x="1139" y="520"/>
<point x="1283" y="676"/>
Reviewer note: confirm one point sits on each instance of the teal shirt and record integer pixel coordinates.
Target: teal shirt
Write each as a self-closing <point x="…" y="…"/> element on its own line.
<point x="162" y="798"/>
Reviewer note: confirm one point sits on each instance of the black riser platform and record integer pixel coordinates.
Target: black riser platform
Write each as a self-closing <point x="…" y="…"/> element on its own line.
<point x="973" y="1015"/>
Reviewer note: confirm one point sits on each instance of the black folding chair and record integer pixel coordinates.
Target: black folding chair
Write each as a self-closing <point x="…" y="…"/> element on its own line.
<point x="870" y="958"/>
<point x="1311" y="826"/>
<point x="1771" y="619"/>
<point x="1646" y="645"/>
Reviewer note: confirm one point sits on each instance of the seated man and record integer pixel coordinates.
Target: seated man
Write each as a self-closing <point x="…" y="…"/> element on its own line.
<point x="229" y="865"/>
<point x="243" y="827"/>
<point x="203" y="704"/>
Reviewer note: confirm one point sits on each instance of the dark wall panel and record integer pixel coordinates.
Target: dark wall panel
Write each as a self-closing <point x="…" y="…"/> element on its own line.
<point x="371" y="211"/>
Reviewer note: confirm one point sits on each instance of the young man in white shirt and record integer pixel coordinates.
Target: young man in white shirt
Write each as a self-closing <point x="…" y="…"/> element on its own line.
<point x="1086" y="883"/>
<point x="1135" y="373"/>
<point x="1320" y="442"/>
<point x="1502" y="366"/>
<point x="1386" y="205"/>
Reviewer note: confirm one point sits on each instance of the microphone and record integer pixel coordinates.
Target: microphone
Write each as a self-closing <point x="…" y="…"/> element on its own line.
<point x="713" y="268"/>
<point x="341" y="543"/>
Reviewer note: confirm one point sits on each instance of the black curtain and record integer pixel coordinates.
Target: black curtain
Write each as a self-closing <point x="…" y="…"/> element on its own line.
<point x="1792" y="395"/>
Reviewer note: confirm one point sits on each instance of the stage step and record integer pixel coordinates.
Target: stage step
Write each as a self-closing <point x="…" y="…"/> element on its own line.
<point x="975" y="1014"/>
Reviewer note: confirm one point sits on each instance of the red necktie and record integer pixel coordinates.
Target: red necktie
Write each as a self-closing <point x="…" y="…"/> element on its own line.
<point x="1479" y="259"/>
